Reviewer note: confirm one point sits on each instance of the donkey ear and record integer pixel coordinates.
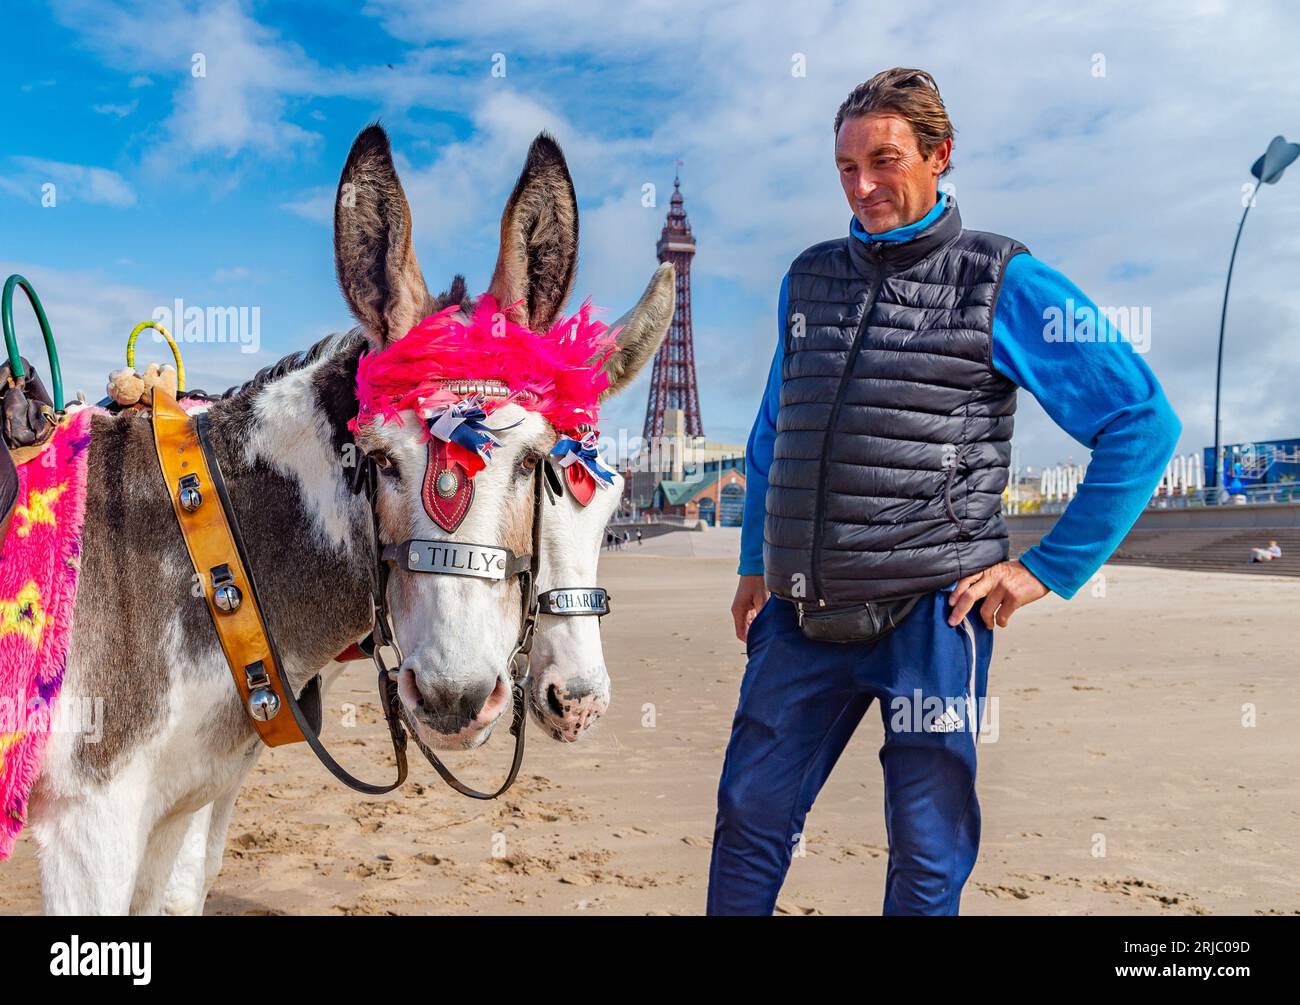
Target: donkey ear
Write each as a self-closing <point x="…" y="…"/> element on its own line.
<point x="643" y="328"/>
<point x="376" y="265"/>
<point x="539" y="239"/>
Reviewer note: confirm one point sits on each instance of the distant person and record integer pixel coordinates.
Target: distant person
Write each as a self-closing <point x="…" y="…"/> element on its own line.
<point x="1266" y="554"/>
<point x="638" y="537"/>
<point x="877" y="570"/>
<point x="627" y="539"/>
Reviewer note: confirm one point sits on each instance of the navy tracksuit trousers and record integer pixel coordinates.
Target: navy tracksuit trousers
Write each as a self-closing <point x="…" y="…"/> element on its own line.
<point x="800" y="701"/>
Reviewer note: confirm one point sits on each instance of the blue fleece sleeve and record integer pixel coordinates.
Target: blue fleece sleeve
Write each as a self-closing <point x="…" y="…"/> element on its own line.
<point x="758" y="453"/>
<point x="1104" y="395"/>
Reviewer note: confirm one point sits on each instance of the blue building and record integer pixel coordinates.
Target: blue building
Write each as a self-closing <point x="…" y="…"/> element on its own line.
<point x="1264" y="462"/>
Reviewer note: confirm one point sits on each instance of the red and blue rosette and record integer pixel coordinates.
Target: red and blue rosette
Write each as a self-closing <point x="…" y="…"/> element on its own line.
<point x="461" y="426"/>
<point x="583" y="470"/>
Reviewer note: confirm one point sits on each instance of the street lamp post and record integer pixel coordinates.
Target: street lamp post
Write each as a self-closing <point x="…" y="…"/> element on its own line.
<point x="1267" y="170"/>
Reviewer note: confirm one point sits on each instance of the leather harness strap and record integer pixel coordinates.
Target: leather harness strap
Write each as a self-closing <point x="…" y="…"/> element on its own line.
<point x="219" y="565"/>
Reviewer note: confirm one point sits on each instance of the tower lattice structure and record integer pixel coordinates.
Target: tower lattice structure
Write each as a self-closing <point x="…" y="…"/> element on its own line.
<point x="672" y="382"/>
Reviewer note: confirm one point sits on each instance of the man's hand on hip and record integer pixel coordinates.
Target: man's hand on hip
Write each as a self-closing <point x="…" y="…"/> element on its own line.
<point x="751" y="595"/>
<point x="1005" y="587"/>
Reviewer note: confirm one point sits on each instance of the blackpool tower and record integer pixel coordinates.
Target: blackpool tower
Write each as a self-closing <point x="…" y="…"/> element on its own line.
<point x="672" y="382"/>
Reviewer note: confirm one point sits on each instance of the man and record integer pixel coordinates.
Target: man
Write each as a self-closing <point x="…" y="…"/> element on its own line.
<point x="872" y="511"/>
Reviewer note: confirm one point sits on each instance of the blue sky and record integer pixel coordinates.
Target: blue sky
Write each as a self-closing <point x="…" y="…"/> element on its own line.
<point x="217" y="189"/>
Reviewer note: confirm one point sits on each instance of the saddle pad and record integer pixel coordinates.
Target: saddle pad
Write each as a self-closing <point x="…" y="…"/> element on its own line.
<point x="40" y="558"/>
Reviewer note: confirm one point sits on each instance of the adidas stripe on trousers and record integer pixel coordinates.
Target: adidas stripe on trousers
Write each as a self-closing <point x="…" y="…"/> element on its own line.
<point x="800" y="702"/>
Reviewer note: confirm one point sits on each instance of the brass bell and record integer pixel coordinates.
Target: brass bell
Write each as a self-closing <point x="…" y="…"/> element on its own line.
<point x="263" y="704"/>
<point x="189" y="495"/>
<point x="227" y="598"/>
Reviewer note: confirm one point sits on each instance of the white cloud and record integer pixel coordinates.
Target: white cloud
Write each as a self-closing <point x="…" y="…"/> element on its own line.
<point x="73" y="182"/>
<point x="121" y="111"/>
<point x="238" y="102"/>
<point x="1142" y="165"/>
<point x="239" y="80"/>
<point x="316" y="205"/>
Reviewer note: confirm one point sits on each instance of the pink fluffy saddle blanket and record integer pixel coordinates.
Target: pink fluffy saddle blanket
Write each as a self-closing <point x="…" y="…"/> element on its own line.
<point x="40" y="559"/>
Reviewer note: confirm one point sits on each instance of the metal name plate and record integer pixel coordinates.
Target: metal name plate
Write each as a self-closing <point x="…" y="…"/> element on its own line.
<point x="456" y="559"/>
<point x="574" y="600"/>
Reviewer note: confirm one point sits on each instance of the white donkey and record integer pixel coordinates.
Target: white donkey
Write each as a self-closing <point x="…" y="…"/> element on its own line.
<point x="137" y="820"/>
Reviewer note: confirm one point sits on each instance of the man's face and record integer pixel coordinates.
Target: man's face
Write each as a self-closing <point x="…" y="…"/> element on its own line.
<point x="886" y="180"/>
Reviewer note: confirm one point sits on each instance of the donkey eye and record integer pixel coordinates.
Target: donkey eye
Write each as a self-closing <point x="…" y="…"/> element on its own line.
<point x="528" y="463"/>
<point x="385" y="463"/>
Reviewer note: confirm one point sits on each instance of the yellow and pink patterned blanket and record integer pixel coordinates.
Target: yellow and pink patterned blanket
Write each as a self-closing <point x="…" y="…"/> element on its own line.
<point x="40" y="559"/>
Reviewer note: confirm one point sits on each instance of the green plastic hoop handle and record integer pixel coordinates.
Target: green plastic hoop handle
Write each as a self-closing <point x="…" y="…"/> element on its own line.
<point x="11" y="342"/>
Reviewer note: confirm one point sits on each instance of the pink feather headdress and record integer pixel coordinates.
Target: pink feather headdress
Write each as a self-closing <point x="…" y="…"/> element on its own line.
<point x="559" y="374"/>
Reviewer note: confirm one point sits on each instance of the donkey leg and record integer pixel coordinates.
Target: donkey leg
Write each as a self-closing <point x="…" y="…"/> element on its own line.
<point x="185" y="886"/>
<point x="223" y="808"/>
<point x="200" y="855"/>
<point x="90" y="847"/>
<point x="198" y="859"/>
<point x="161" y="856"/>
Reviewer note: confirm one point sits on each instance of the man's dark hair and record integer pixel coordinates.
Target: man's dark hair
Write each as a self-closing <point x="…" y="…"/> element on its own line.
<point x="910" y="94"/>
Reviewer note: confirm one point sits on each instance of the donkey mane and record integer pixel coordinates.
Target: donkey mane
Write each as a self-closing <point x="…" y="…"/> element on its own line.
<point x="289" y="364"/>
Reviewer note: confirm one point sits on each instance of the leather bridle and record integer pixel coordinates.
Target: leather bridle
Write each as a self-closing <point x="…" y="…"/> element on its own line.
<point x="441" y="557"/>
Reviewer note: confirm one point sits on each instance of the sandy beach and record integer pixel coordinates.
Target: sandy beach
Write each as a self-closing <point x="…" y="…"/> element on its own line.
<point x="1122" y="780"/>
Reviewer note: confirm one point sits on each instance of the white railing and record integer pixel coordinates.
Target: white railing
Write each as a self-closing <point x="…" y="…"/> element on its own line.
<point x="1256" y="458"/>
<point x="1181" y="485"/>
<point x="668" y="518"/>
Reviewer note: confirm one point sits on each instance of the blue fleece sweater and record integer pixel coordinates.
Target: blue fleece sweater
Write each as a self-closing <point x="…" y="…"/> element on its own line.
<point x="1100" y="392"/>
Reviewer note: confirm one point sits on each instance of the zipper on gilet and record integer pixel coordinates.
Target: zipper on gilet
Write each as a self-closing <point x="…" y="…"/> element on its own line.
<point x="819" y="513"/>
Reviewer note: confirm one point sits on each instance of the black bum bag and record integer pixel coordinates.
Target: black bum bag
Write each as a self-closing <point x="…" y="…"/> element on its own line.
<point x="867" y="622"/>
